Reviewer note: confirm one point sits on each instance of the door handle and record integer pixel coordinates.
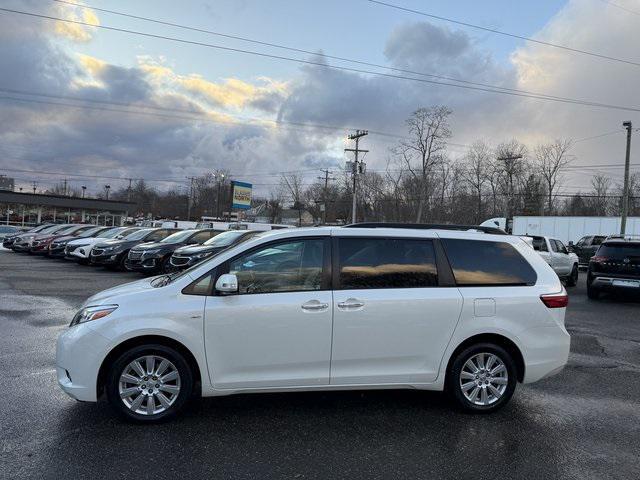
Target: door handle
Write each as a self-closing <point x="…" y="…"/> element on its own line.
<point x="314" y="306"/>
<point x="351" y="303"/>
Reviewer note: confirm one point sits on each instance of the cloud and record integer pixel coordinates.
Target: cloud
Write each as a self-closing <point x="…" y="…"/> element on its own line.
<point x="73" y="31"/>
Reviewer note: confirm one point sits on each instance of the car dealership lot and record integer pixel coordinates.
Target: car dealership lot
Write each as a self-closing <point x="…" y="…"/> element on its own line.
<point x="582" y="423"/>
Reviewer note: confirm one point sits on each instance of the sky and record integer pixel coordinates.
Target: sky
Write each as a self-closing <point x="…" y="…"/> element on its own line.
<point x="80" y="100"/>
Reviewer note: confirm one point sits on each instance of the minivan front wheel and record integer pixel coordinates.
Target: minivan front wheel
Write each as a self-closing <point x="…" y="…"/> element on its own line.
<point x="482" y="378"/>
<point x="149" y="383"/>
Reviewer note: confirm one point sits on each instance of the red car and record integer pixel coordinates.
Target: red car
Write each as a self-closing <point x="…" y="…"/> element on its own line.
<point x="40" y="243"/>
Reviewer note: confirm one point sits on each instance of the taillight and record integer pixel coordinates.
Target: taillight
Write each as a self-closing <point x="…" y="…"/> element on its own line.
<point x="555" y="300"/>
<point x="599" y="259"/>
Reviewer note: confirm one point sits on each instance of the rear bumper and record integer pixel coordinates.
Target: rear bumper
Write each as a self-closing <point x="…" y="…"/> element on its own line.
<point x="545" y="351"/>
<point x="622" y="283"/>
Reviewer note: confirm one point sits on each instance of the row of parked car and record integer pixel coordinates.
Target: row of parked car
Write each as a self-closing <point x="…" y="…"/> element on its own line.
<point x="147" y="250"/>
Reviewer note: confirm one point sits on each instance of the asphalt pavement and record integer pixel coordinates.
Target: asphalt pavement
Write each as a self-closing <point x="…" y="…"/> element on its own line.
<point x="583" y="423"/>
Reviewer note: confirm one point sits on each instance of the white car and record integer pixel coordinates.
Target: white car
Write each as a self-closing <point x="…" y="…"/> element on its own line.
<point x="324" y="309"/>
<point x="563" y="262"/>
<point x="80" y="249"/>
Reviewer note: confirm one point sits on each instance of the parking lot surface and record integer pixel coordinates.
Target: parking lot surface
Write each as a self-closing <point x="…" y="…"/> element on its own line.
<point x="583" y="423"/>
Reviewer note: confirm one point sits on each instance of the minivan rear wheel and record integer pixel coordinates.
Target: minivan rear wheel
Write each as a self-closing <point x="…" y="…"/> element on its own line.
<point x="482" y="378"/>
<point x="149" y="383"/>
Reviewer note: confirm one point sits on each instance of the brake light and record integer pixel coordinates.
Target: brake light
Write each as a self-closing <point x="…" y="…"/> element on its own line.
<point x="555" y="300"/>
<point x="599" y="259"/>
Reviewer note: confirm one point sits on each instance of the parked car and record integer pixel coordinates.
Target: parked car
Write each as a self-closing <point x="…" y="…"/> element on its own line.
<point x="615" y="267"/>
<point x="58" y="245"/>
<point x="7" y="241"/>
<point x="153" y="257"/>
<point x="563" y="262"/>
<point x="324" y="309"/>
<point x="40" y="244"/>
<point x="586" y="247"/>
<point x="186" y="257"/>
<point x="24" y="242"/>
<point x="113" y="253"/>
<point x="8" y="230"/>
<point x="80" y="248"/>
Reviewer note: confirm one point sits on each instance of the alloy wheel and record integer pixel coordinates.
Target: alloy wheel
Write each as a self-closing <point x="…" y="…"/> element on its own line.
<point x="149" y="385"/>
<point x="484" y="379"/>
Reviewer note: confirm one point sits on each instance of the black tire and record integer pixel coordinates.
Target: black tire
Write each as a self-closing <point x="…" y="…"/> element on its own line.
<point x="572" y="279"/>
<point x="453" y="385"/>
<point x="592" y="292"/>
<point x="122" y="264"/>
<point x="118" y="367"/>
<point x="166" y="265"/>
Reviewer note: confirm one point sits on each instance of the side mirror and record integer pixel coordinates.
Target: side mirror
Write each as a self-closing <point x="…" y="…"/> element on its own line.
<point x="227" y="283"/>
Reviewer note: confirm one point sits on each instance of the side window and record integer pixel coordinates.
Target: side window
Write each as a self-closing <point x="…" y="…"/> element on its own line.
<point x="583" y="241"/>
<point x="597" y="240"/>
<point x="479" y="263"/>
<point x="201" y="286"/>
<point x="283" y="267"/>
<point x="540" y="244"/>
<point x="386" y="263"/>
<point x="560" y="247"/>
<point x="554" y="245"/>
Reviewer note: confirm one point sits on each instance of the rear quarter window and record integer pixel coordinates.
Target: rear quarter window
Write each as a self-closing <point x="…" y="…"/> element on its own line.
<point x="481" y="263"/>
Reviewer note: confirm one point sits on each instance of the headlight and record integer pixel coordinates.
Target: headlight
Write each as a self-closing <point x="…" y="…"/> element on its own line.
<point x="108" y="249"/>
<point x="150" y="252"/>
<point x="202" y="255"/>
<point x="92" y="313"/>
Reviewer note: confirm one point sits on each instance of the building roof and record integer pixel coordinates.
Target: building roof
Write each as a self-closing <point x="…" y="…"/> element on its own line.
<point x="61" y="201"/>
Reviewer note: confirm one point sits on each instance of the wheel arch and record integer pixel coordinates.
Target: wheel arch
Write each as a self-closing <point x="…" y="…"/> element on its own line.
<point x="497" y="339"/>
<point x="142" y="340"/>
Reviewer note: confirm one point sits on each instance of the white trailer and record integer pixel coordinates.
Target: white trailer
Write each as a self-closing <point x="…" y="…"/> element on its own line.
<point x="567" y="229"/>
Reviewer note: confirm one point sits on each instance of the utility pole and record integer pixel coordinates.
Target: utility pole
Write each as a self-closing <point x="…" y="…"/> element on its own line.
<point x="192" y="179"/>
<point x="106" y="190"/>
<point x="65" y="188"/>
<point x="129" y="190"/>
<point x="326" y="179"/>
<point x="84" y="189"/>
<point x="356" y="168"/>
<point x="34" y="184"/>
<point x="625" y="192"/>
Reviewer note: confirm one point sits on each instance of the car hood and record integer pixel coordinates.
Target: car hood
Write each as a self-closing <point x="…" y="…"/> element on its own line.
<point x="111" y="295"/>
<point x="166" y="247"/>
<point x="116" y="243"/>
<point x="85" y="241"/>
<point x="196" y="249"/>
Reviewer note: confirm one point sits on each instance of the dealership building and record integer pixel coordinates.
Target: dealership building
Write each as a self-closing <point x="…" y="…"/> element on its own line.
<point x="19" y="208"/>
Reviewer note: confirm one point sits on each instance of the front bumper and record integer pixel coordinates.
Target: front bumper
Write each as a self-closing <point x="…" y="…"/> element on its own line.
<point x="57" y="252"/>
<point x="143" y="263"/>
<point x="40" y="249"/>
<point x="79" y="354"/>
<point x="106" y="258"/>
<point x="76" y="253"/>
<point x="20" y="247"/>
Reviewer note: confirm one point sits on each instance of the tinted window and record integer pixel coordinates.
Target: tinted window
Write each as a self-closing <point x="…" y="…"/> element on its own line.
<point x="137" y="235"/>
<point x="201" y="237"/>
<point x="386" y="263"/>
<point x="540" y="244"/>
<point x="597" y="240"/>
<point x="178" y="237"/>
<point x="560" y="247"/>
<point x="283" y="267"/>
<point x="225" y="239"/>
<point x="619" y="250"/>
<point x="158" y="235"/>
<point x="477" y="263"/>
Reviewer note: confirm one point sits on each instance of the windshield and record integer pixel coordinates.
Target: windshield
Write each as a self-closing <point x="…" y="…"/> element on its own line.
<point x="67" y="230"/>
<point x="54" y="228"/>
<point x="225" y="239"/>
<point x="138" y="235"/>
<point x="178" y="236"/>
<point x="90" y="232"/>
<point x="112" y="232"/>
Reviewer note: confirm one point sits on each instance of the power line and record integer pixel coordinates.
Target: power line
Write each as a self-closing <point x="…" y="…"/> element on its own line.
<point x="299" y="50"/>
<point x="332" y="67"/>
<point x="506" y="34"/>
<point x="628" y="10"/>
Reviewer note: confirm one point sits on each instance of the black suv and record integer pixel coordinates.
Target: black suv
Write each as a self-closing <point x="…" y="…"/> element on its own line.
<point x="586" y="247"/>
<point x="113" y="253"/>
<point x="615" y="267"/>
<point x="188" y="256"/>
<point x="154" y="257"/>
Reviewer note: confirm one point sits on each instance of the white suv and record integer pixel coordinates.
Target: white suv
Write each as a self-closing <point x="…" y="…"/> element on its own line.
<point x="325" y="309"/>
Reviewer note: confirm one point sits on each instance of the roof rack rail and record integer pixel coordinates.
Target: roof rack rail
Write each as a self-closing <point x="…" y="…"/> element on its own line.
<point x="427" y="226"/>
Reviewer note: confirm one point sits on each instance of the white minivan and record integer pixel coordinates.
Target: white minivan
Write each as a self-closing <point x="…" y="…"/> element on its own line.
<point x="325" y="309"/>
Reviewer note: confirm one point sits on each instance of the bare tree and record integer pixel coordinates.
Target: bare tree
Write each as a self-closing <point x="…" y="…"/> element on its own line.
<point x="599" y="200"/>
<point x="478" y="171"/>
<point x="510" y="157"/>
<point x="428" y="133"/>
<point x="292" y="185"/>
<point x="551" y="158"/>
